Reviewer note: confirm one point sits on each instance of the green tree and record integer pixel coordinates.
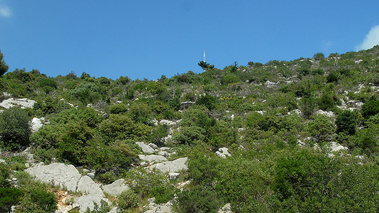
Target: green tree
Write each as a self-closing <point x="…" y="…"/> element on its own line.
<point x="14" y="128"/>
<point x="321" y="128"/>
<point x="370" y="108"/>
<point x="346" y="122"/>
<point x="3" y="66"/>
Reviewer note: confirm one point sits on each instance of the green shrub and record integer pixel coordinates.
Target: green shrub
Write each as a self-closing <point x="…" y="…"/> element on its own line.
<point x="9" y="197"/>
<point x="37" y="199"/>
<point x="162" y="194"/>
<point x="346" y="122"/>
<point x="14" y="128"/>
<point x="118" y="108"/>
<point x="321" y="128"/>
<point x="198" y="199"/>
<point x="370" y="108"/>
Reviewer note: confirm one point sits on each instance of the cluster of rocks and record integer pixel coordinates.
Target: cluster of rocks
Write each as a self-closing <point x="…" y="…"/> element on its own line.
<point x="155" y="157"/>
<point x="22" y="102"/>
<point x="69" y="178"/>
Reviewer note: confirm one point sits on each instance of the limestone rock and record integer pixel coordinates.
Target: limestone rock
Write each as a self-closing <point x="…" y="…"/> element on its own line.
<point x="60" y="174"/>
<point x="167" y="122"/>
<point x="145" y="148"/>
<point x="335" y="147"/>
<point x="22" y="102"/>
<point x="173" y="175"/>
<point x="88" y="186"/>
<point x="36" y="124"/>
<point x="223" y="152"/>
<point x="152" y="158"/>
<point x="172" y="166"/>
<point x="87" y="201"/>
<point x="116" y="187"/>
<point x="225" y="209"/>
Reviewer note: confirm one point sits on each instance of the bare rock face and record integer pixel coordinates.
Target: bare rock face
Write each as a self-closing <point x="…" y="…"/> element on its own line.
<point x="87" y="202"/>
<point x="145" y="148"/>
<point x="88" y="186"/>
<point x="36" y="124"/>
<point x="22" y="102"/>
<point x="152" y="158"/>
<point x="116" y="187"/>
<point x="172" y="166"/>
<point x="58" y="173"/>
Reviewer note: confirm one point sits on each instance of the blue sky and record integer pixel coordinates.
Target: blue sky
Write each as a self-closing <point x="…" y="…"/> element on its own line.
<point x="147" y="39"/>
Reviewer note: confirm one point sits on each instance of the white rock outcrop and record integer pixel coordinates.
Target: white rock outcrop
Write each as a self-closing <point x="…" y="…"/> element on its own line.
<point x="172" y="166"/>
<point x="223" y="152"/>
<point x="145" y="148"/>
<point x="22" y="102"/>
<point x="36" y="124"/>
<point x="116" y="187"/>
<point x="58" y="173"/>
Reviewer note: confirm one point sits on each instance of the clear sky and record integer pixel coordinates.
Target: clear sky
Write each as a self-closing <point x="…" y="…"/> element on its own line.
<point x="149" y="38"/>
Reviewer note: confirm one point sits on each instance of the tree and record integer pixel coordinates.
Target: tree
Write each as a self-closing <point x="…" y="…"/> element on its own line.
<point x="318" y="56"/>
<point x="3" y="66"/>
<point x="346" y="122"/>
<point x="204" y="65"/>
<point x="321" y="128"/>
<point x="14" y="128"/>
<point x="370" y="108"/>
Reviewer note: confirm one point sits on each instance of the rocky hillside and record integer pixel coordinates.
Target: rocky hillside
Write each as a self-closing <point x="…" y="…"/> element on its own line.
<point x="294" y="136"/>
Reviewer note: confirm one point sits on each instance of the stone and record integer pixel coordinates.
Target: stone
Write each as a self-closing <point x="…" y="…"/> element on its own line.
<point x="88" y="186"/>
<point x="145" y="148"/>
<point x="329" y="114"/>
<point x="91" y="175"/>
<point x="3" y="161"/>
<point x="227" y="208"/>
<point x="172" y="166"/>
<point x="223" y="152"/>
<point x="152" y="158"/>
<point x="116" y="187"/>
<point x="167" y="122"/>
<point x="36" y="124"/>
<point x="335" y="147"/>
<point x="22" y="102"/>
<point x="173" y="175"/>
<point x="154" y="146"/>
<point x="58" y="173"/>
<point x="87" y="201"/>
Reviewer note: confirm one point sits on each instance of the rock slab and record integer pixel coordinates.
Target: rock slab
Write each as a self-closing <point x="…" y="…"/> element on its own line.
<point x="58" y="173"/>
<point x="172" y="166"/>
<point x="116" y="187"/>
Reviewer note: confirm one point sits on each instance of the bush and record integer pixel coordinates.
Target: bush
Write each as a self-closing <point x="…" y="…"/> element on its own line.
<point x="14" y="128"/>
<point x="9" y="197"/>
<point x="346" y="122"/>
<point x="198" y="199"/>
<point x="370" y="108"/>
<point x="118" y="108"/>
<point x="321" y="128"/>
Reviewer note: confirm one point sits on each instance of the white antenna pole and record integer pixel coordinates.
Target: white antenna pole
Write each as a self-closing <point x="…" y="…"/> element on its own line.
<point x="204" y="55"/>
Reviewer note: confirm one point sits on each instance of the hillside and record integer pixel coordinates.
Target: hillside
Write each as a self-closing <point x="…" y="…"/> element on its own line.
<point x="285" y="136"/>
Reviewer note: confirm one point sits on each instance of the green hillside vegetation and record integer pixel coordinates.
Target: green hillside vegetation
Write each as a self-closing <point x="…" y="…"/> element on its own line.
<point x="267" y="115"/>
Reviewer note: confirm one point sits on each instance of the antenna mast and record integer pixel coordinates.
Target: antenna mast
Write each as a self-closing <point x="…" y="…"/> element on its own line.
<point x="204" y="55"/>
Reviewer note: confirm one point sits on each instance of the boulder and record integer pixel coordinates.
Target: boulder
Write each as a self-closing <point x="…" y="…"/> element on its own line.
<point x="172" y="166"/>
<point x="88" y="186"/>
<point x="58" y="173"/>
<point x="22" y="102"/>
<point x="167" y="122"/>
<point x="87" y="201"/>
<point x="335" y="147"/>
<point x="145" y="148"/>
<point x="223" y="152"/>
<point x="116" y="187"/>
<point x="225" y="209"/>
<point x="36" y="124"/>
<point x="152" y="158"/>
